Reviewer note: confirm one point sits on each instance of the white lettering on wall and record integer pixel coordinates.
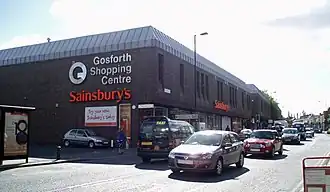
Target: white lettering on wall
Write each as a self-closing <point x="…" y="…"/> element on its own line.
<point x="115" y="69"/>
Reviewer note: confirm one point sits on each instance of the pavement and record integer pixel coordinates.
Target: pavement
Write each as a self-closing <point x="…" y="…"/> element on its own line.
<point x="47" y="154"/>
<point x="126" y="173"/>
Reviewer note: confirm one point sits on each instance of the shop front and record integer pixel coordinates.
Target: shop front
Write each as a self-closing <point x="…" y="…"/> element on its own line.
<point x="237" y="125"/>
<point x="150" y="110"/>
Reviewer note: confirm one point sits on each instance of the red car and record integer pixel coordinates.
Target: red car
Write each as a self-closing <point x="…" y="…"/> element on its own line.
<point x="264" y="142"/>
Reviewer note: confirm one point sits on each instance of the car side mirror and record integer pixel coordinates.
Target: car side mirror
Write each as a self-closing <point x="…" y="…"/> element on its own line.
<point x="228" y="145"/>
<point x="182" y="142"/>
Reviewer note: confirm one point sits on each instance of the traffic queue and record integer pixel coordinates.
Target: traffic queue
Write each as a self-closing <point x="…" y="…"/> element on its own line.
<point x="188" y="149"/>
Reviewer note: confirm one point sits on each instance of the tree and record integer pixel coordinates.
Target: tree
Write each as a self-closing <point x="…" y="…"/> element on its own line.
<point x="275" y="110"/>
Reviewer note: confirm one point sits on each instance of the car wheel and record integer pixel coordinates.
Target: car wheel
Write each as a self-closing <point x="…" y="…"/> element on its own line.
<point x="219" y="167"/>
<point x="175" y="170"/>
<point x="240" y="162"/>
<point x="280" y="152"/>
<point x="66" y="143"/>
<point x="146" y="160"/>
<point x="91" y="144"/>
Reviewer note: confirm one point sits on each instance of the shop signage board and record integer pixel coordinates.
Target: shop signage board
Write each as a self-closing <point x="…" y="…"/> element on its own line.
<point x="104" y="116"/>
<point x="221" y="106"/>
<point x="14" y="130"/>
<point x="316" y="178"/>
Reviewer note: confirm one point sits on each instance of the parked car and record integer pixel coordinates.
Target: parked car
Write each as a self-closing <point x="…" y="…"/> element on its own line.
<point x="159" y="135"/>
<point x="290" y="135"/>
<point x="317" y="129"/>
<point x="209" y="150"/>
<point x="309" y="132"/>
<point x="84" y="137"/>
<point x="265" y="142"/>
<point x="244" y="134"/>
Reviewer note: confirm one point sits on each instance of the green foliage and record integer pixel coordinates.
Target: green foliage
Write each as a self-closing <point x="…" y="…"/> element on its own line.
<point x="276" y="112"/>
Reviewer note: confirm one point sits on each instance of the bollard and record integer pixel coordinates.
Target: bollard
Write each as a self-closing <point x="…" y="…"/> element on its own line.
<point x="127" y="144"/>
<point x="58" y="153"/>
<point x="111" y="143"/>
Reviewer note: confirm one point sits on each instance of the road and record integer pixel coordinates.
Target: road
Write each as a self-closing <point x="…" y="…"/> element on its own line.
<point x="282" y="174"/>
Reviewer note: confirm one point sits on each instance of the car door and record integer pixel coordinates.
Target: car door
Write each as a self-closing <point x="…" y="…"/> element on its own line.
<point x="227" y="151"/>
<point x="236" y="147"/>
<point x="81" y="137"/>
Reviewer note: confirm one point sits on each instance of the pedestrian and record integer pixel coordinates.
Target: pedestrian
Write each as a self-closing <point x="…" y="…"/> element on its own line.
<point x="121" y="140"/>
<point x="227" y="128"/>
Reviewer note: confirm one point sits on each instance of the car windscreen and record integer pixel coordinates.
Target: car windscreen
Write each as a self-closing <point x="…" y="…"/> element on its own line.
<point x="154" y="129"/>
<point x="204" y="139"/>
<point x="90" y="133"/>
<point x="246" y="131"/>
<point x="263" y="135"/>
<point x="290" y="131"/>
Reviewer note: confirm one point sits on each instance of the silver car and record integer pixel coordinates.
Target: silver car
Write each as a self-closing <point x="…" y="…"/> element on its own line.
<point x="209" y="150"/>
<point x="85" y="137"/>
<point x="290" y="135"/>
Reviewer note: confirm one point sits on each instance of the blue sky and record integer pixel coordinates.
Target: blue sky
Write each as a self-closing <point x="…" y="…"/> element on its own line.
<point x="279" y="45"/>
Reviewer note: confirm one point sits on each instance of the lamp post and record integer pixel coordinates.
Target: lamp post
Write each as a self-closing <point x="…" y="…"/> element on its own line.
<point x="195" y="69"/>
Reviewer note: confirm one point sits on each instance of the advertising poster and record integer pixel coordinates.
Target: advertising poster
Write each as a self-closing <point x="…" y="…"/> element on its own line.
<point x="16" y="134"/>
<point x="101" y="116"/>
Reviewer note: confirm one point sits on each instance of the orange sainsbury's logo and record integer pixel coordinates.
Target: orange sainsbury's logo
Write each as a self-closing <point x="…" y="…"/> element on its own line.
<point x="99" y="95"/>
<point x="221" y="105"/>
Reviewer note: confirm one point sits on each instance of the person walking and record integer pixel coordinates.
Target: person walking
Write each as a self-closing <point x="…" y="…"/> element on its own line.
<point x="121" y="140"/>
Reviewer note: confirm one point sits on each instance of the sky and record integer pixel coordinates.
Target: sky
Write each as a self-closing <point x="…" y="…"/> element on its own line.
<point x="279" y="45"/>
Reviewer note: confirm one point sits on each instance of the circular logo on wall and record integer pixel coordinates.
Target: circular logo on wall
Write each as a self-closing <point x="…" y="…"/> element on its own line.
<point x="80" y="76"/>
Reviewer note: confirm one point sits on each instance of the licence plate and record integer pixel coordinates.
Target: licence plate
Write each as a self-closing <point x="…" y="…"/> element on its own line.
<point x="146" y="143"/>
<point x="106" y="143"/>
<point x="186" y="162"/>
<point x="254" y="149"/>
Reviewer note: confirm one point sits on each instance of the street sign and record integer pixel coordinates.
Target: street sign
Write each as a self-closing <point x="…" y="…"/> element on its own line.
<point x="316" y="178"/>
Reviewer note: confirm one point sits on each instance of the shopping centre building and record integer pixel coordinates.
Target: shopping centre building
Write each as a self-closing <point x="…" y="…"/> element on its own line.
<point x="116" y="79"/>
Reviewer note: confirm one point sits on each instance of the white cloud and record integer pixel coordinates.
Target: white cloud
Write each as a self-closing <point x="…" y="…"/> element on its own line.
<point x="23" y="40"/>
<point x="288" y="61"/>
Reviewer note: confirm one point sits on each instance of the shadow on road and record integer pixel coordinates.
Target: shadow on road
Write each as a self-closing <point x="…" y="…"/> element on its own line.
<point x="228" y="174"/>
<point x="262" y="157"/>
<point x="308" y="140"/>
<point x="158" y="165"/>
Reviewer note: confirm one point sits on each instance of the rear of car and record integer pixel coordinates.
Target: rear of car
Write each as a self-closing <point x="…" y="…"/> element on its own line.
<point x="159" y="135"/>
<point x="245" y="134"/>
<point x="301" y="129"/>
<point x="309" y="132"/>
<point x="263" y="142"/>
<point x="291" y="135"/>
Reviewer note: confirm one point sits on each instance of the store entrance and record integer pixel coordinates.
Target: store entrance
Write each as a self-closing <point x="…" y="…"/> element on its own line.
<point x="125" y="119"/>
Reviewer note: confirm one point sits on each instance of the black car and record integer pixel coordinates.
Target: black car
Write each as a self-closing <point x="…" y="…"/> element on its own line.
<point x="301" y="129"/>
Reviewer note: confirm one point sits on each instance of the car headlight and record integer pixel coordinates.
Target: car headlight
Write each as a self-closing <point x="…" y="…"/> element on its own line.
<point x="98" y="140"/>
<point x="206" y="156"/>
<point x="268" y="144"/>
<point x="171" y="155"/>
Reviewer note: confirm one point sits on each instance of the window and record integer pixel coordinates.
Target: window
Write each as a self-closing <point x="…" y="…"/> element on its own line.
<point x="182" y="77"/>
<point x="231" y="96"/>
<point x="202" y="85"/>
<point x="226" y="139"/>
<point x="218" y="90"/>
<point x="221" y="91"/>
<point x="243" y="99"/>
<point x="198" y="84"/>
<point x="235" y="97"/>
<point x="233" y="138"/>
<point x="73" y="132"/>
<point x="248" y="102"/>
<point x="161" y="69"/>
<point x="81" y="133"/>
<point x="207" y="86"/>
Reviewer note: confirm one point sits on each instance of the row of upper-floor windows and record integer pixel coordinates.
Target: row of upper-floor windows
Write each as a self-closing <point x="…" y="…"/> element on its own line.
<point x="203" y="86"/>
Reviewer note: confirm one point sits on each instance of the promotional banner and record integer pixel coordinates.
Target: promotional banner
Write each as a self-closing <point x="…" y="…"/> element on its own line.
<point x="101" y="116"/>
<point x="16" y="134"/>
